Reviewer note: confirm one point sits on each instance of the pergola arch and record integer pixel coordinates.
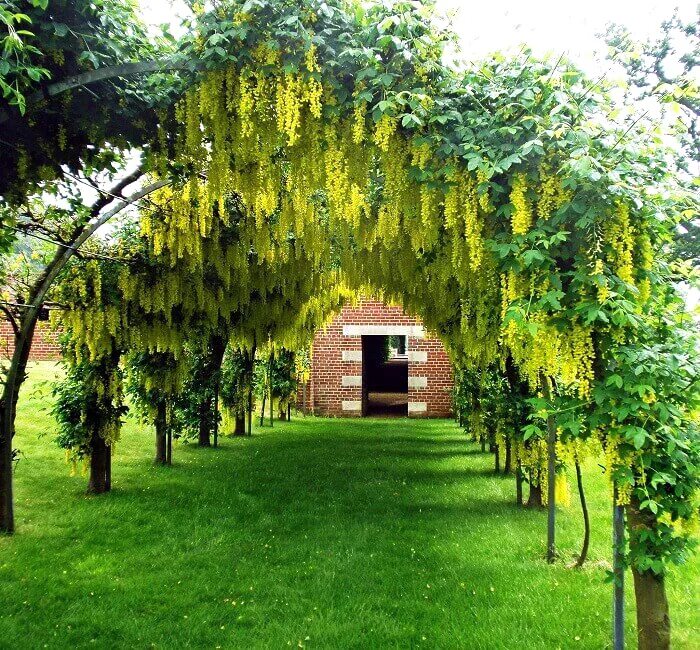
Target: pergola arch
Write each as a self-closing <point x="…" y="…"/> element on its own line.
<point x="319" y="149"/>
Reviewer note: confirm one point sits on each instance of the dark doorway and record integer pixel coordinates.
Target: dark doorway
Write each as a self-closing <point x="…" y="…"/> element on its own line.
<point x="384" y="376"/>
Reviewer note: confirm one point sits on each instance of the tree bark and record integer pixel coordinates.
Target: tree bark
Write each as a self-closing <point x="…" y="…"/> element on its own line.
<point x="269" y="382"/>
<point x="239" y="424"/>
<point x="507" y="466"/>
<point x="161" y="435"/>
<point x="496" y="458"/>
<point x="204" y="435"/>
<point x="262" y="408"/>
<point x="282" y="412"/>
<point x="535" y="498"/>
<point x="99" y="466"/>
<point x="169" y="459"/>
<point x="586" y="521"/>
<point x="208" y="408"/>
<point x="653" y="620"/>
<point x="551" y="472"/>
<point x="519" y="484"/>
<point x="250" y="366"/>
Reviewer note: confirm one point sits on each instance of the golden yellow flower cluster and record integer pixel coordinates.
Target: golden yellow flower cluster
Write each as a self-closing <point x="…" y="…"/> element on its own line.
<point x="620" y="237"/>
<point x="521" y="217"/>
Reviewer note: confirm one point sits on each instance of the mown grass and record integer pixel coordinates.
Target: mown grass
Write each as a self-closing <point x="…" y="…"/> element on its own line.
<point x="315" y="533"/>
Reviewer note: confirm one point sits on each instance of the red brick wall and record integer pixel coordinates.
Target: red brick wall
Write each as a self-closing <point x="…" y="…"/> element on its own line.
<point x="326" y="393"/>
<point x="44" y="348"/>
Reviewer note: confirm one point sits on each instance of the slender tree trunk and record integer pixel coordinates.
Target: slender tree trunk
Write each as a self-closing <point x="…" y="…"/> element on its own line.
<point x="519" y="484"/>
<point x="586" y="520"/>
<point x="483" y="446"/>
<point x="99" y="452"/>
<point x="161" y="435"/>
<point x="216" y="413"/>
<point x="551" y="473"/>
<point x="262" y="408"/>
<point x="250" y="411"/>
<point x="289" y="412"/>
<point x="269" y="384"/>
<point x="170" y="446"/>
<point x="507" y="467"/>
<point x="282" y="411"/>
<point x="239" y="424"/>
<point x="653" y="620"/>
<point x="496" y="457"/>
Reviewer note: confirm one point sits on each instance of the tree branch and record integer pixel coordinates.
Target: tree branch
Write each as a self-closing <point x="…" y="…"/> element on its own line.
<point x="102" y="74"/>
<point x="11" y="319"/>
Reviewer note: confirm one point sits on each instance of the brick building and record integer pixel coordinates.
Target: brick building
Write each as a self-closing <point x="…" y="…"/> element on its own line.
<point x="375" y="359"/>
<point x="45" y="345"/>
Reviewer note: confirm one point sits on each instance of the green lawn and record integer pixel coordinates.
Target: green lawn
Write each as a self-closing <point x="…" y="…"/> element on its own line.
<point x="316" y="533"/>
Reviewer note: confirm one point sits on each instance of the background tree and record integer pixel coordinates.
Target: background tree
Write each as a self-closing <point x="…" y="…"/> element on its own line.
<point x="662" y="72"/>
<point x="154" y="383"/>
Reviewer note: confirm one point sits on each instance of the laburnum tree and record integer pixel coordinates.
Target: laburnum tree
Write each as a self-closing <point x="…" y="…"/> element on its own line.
<point x="64" y="131"/>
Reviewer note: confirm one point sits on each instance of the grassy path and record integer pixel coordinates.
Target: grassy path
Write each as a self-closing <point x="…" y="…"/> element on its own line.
<point x="316" y="533"/>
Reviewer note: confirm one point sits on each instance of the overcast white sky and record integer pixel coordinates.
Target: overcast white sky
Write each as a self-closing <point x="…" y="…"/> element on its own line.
<point x="544" y="25"/>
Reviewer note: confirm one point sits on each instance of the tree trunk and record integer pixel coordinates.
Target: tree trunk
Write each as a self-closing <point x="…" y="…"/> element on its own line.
<point x="519" y="484"/>
<point x="289" y="412"/>
<point x="282" y="413"/>
<point x="170" y="447"/>
<point x="239" y="424"/>
<point x="507" y="467"/>
<point x="496" y="457"/>
<point x="262" y="408"/>
<point x="216" y="412"/>
<point x="586" y="520"/>
<point x="208" y="408"/>
<point x="161" y="435"/>
<point x="204" y="436"/>
<point x="99" y="466"/>
<point x="269" y="385"/>
<point x="535" y="498"/>
<point x="483" y="446"/>
<point x="653" y="620"/>
<point x="551" y="472"/>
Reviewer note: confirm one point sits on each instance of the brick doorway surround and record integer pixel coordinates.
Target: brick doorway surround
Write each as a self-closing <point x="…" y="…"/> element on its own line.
<point x="336" y="388"/>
